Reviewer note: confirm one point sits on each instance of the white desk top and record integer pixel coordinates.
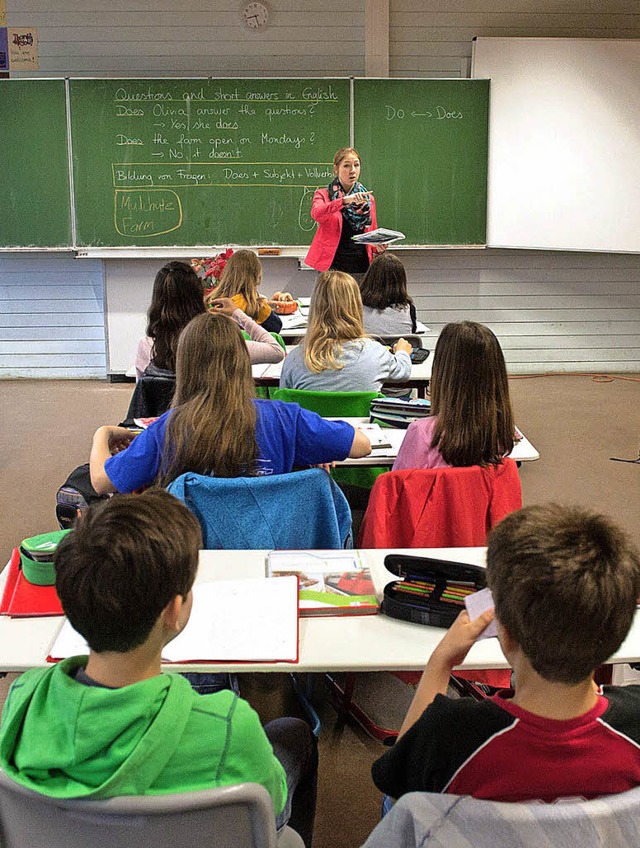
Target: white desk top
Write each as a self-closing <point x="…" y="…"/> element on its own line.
<point x="356" y="643"/>
<point x="420" y="374"/>
<point x="295" y="326"/>
<point x="523" y="450"/>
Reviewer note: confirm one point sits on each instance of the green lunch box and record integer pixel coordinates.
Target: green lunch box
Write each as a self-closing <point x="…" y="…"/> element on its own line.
<point x="36" y="557"/>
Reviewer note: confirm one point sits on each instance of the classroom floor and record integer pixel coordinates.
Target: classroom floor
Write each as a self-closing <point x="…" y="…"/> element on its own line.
<point x="576" y="422"/>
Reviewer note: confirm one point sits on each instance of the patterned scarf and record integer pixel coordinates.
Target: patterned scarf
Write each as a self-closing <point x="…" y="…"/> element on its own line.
<point x="358" y="216"/>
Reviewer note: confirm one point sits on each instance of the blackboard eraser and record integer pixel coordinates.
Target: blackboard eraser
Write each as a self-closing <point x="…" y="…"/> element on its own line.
<point x="269" y="251"/>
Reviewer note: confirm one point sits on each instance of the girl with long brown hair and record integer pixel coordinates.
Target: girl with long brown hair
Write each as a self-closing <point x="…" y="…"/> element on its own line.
<point x="240" y="281"/>
<point x="471" y="420"/>
<point x="216" y="426"/>
<point x="177" y="298"/>
<point x="335" y="355"/>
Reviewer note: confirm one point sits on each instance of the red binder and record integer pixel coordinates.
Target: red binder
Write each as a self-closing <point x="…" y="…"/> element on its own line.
<point x="22" y="599"/>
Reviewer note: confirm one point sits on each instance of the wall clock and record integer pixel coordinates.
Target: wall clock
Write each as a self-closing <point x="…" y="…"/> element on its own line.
<point x="255" y="15"/>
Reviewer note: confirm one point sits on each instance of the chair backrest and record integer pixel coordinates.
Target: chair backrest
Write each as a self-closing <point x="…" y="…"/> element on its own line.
<point x="229" y="817"/>
<point x="304" y="509"/>
<point x="428" y="820"/>
<point x="413" y="339"/>
<point x="329" y="404"/>
<point x="151" y="397"/>
<point x="439" y="507"/>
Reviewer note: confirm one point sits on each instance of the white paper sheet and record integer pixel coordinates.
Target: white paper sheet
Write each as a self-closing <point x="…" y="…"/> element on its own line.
<point x="253" y="620"/>
<point x="478" y="603"/>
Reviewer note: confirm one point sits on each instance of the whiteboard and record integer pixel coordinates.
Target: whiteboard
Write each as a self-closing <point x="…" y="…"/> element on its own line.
<point x="564" y="142"/>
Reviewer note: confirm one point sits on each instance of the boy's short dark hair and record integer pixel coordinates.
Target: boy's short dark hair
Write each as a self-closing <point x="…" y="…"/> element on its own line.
<point x="123" y="563"/>
<point x="565" y="583"/>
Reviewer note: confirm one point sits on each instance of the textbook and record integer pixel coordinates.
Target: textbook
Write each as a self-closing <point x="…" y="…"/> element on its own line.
<point x="232" y="621"/>
<point x="376" y="435"/>
<point x="379" y="236"/>
<point x="21" y="599"/>
<point x="397" y="412"/>
<point x="331" y="582"/>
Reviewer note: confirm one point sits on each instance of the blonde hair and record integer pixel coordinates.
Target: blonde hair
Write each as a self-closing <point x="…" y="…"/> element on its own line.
<point x="212" y="429"/>
<point x="340" y="155"/>
<point x="335" y="316"/>
<point x="242" y="275"/>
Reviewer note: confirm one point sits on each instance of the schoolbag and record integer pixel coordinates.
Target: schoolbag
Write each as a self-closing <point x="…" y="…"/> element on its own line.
<point x="74" y="496"/>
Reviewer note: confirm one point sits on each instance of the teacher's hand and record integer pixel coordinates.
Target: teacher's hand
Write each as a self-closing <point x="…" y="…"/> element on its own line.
<point x="356" y="199"/>
<point x="379" y="248"/>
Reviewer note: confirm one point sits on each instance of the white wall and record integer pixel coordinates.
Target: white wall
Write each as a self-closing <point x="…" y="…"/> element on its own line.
<point x="552" y="311"/>
<point x="51" y="316"/>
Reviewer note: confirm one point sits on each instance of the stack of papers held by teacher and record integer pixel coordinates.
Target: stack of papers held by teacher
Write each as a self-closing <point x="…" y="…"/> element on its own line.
<point x="252" y="620"/>
<point x="379" y="236"/>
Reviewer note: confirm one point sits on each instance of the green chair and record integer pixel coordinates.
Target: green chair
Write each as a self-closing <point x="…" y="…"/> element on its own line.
<point x="330" y="404"/>
<point x="276" y="336"/>
<point x="337" y="405"/>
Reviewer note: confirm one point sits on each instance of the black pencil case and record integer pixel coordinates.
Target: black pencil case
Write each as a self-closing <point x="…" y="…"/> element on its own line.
<point x="429" y="608"/>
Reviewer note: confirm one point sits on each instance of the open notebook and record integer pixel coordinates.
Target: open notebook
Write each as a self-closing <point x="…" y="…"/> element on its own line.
<point x="253" y="620"/>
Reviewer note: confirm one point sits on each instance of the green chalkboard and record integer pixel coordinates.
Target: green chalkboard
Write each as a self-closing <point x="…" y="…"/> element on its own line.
<point x="202" y="161"/>
<point x="34" y="164"/>
<point x="424" y="147"/>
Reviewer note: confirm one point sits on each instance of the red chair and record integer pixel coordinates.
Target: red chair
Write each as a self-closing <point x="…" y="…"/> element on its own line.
<point x="434" y="508"/>
<point x="439" y="507"/>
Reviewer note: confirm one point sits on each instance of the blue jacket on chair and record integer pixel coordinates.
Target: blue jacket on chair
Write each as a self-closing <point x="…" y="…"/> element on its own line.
<point x="304" y="509"/>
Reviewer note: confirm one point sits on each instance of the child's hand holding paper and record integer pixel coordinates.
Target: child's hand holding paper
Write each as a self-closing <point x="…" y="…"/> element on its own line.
<point x="478" y="603"/>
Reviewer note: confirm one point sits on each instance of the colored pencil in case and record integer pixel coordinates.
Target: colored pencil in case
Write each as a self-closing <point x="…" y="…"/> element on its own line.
<point x="413" y="590"/>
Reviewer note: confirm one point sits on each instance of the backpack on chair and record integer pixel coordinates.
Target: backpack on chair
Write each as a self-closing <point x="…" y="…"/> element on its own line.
<point x="75" y="496"/>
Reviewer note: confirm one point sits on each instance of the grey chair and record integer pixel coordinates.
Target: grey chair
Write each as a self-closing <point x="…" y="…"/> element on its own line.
<point x="230" y="817"/>
<point x="429" y="820"/>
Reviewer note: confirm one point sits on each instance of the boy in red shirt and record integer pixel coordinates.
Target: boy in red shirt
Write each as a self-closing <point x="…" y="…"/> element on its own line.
<point x="565" y="584"/>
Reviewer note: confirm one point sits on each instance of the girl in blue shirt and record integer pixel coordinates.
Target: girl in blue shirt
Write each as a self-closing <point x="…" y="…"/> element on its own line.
<point x="216" y="427"/>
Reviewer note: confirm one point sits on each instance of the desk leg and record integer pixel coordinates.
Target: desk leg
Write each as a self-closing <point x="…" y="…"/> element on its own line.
<point x="305" y="696"/>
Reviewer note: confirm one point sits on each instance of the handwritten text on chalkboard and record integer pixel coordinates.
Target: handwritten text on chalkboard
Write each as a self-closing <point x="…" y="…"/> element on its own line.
<point x="172" y="149"/>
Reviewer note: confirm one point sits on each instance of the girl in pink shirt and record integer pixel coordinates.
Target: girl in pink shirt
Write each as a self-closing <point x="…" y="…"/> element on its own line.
<point x="471" y="420"/>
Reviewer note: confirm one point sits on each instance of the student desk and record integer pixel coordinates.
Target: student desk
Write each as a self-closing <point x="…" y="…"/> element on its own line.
<point x="349" y="643"/>
<point x="523" y="450"/>
<point x="294" y="327"/>
<point x="269" y="375"/>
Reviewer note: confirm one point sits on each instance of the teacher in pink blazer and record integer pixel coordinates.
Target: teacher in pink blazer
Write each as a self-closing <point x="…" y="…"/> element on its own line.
<point x="342" y="210"/>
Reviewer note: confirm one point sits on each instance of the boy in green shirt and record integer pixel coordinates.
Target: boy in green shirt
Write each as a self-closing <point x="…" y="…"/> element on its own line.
<point x="113" y="724"/>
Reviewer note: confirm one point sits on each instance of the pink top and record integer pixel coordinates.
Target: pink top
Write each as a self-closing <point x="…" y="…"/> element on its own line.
<point x="262" y="347"/>
<point x="328" y="214"/>
<point x="416" y="450"/>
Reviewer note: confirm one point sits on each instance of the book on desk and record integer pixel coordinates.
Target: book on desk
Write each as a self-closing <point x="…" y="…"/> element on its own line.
<point x="331" y="582"/>
<point x="21" y="599"/>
